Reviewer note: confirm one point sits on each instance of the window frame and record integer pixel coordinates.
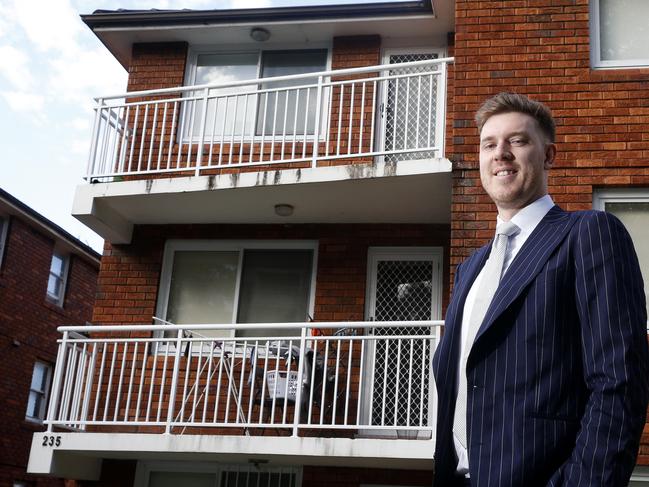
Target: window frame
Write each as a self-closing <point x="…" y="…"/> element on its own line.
<point x="45" y="393"/>
<point x="190" y="78"/>
<point x="58" y="300"/>
<point x="173" y="245"/>
<point x="595" y="45"/>
<point x="4" y="231"/>
<point x="619" y="195"/>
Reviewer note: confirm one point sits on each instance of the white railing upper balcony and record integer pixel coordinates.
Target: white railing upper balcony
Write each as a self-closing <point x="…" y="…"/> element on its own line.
<point x="337" y="379"/>
<point x="394" y="112"/>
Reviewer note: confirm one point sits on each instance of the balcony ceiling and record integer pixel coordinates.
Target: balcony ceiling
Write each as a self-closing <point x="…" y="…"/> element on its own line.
<point x="119" y="30"/>
<point x="403" y="192"/>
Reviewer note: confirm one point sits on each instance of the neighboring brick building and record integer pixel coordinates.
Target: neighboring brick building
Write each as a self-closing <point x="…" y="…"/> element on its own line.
<point x="342" y="195"/>
<point x="33" y="302"/>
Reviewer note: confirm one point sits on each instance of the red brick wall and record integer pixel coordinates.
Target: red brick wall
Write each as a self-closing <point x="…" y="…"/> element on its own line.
<point x="129" y="274"/>
<point x="157" y="65"/>
<point x="28" y="333"/>
<point x="541" y="48"/>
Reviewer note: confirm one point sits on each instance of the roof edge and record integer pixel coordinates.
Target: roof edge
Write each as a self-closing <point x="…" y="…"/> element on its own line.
<point x="132" y="18"/>
<point x="29" y="212"/>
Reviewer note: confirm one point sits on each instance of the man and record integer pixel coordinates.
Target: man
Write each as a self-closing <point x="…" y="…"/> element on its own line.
<point x="542" y="370"/>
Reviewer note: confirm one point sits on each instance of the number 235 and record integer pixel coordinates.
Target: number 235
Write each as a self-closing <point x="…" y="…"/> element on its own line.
<point x="51" y="440"/>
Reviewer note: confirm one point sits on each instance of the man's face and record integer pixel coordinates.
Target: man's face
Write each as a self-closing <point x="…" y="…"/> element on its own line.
<point x="514" y="158"/>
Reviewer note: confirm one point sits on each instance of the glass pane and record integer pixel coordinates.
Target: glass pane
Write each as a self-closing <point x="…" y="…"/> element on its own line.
<point x="3" y="225"/>
<point x="39" y="377"/>
<point x="57" y="265"/>
<point x="289" y="112"/>
<point x="635" y="217"/>
<point x="33" y="404"/>
<point x="227" y="115"/>
<point x="275" y="286"/>
<point x="202" y="288"/>
<point x="54" y="286"/>
<point x="623" y="29"/>
<point x="186" y="479"/>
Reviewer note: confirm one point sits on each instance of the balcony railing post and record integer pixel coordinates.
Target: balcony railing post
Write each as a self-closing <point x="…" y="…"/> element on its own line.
<point x="316" y="129"/>
<point x="174" y="382"/>
<point x="56" y="384"/>
<point x="300" y="382"/>
<point x="93" y="142"/>
<point x="441" y="110"/>
<point x="199" y="155"/>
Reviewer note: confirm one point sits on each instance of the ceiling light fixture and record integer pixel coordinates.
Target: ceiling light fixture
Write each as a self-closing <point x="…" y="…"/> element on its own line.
<point x="259" y="34"/>
<point x="283" y="210"/>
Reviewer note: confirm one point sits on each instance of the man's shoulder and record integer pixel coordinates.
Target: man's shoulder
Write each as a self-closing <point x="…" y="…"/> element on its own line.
<point x="586" y="219"/>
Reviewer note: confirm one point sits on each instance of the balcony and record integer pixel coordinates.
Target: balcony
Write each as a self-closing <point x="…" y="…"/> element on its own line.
<point x="317" y="393"/>
<point x="296" y="139"/>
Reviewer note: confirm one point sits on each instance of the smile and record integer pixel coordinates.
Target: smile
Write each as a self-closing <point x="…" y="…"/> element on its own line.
<point x="505" y="172"/>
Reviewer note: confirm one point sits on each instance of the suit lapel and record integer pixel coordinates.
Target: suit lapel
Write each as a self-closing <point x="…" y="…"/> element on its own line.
<point x="529" y="261"/>
<point x="447" y="353"/>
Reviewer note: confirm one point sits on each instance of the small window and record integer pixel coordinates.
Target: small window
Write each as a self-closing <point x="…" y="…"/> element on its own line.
<point x="56" y="281"/>
<point x="39" y="391"/>
<point x="619" y="33"/>
<point x="4" y="225"/>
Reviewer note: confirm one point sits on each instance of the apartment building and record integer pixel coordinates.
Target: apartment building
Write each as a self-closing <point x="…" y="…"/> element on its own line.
<point x="48" y="278"/>
<point x="285" y="193"/>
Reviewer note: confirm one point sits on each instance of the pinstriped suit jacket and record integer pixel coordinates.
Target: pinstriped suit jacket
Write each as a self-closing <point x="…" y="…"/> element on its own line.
<point x="557" y="375"/>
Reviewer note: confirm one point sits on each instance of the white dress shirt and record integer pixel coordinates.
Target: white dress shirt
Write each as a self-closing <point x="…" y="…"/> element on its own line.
<point x="526" y="219"/>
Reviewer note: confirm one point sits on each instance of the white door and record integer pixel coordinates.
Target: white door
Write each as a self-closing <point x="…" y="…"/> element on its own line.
<point x="409" y="107"/>
<point x="404" y="284"/>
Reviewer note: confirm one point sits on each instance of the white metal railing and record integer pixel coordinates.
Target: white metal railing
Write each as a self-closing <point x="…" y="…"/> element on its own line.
<point x="394" y="111"/>
<point x="327" y="376"/>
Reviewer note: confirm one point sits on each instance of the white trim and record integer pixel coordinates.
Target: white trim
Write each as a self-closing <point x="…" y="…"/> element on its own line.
<point x="4" y="230"/>
<point x="595" y="45"/>
<point x="45" y="393"/>
<point x="441" y="94"/>
<point x="173" y="245"/>
<point x="425" y="254"/>
<point x="145" y="468"/>
<point x="432" y="254"/>
<point x="620" y="195"/>
<point x="640" y="474"/>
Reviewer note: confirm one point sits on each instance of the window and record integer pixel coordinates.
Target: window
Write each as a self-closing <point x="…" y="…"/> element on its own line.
<point x="4" y="226"/>
<point x="216" y="282"/>
<point x="631" y="206"/>
<point x="619" y="33"/>
<point x="39" y="391"/>
<point x="56" y="281"/>
<point x="254" y="110"/>
<point x="163" y="474"/>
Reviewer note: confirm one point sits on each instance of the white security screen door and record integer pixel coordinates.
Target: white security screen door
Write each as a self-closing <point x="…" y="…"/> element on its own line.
<point x="409" y="107"/>
<point x="404" y="284"/>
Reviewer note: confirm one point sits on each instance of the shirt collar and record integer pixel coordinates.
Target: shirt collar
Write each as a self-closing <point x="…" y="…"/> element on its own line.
<point x="529" y="217"/>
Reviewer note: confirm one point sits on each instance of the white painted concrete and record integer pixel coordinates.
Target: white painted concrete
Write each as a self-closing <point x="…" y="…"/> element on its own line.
<point x="402" y="192"/>
<point x="79" y="454"/>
